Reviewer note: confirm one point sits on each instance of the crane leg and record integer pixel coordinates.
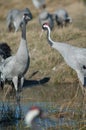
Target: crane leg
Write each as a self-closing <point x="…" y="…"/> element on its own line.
<point x="20" y="83"/>
<point x="15" y="82"/>
<point x="17" y="97"/>
<point x="1" y="83"/>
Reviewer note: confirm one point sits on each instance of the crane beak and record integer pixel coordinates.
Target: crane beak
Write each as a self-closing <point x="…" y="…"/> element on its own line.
<point x="41" y="33"/>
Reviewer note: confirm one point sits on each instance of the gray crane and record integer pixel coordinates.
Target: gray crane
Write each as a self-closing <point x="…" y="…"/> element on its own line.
<point x="75" y="57"/>
<point x="15" y="67"/>
<point x="45" y="17"/>
<point x="61" y="17"/>
<point x="39" y="4"/>
<point x="14" y="18"/>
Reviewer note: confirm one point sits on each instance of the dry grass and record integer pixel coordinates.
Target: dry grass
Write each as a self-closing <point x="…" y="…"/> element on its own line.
<point x="45" y="59"/>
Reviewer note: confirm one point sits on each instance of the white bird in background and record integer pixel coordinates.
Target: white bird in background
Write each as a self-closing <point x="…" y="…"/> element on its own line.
<point x="30" y="117"/>
<point x="39" y="4"/>
<point x="75" y="57"/>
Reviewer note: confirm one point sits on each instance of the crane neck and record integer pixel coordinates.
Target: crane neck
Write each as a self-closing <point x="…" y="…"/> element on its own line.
<point x="23" y="42"/>
<point x="61" y="47"/>
<point x="48" y="37"/>
<point x="24" y="30"/>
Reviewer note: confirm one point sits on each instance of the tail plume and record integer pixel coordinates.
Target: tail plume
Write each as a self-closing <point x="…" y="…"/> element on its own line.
<point x="5" y="50"/>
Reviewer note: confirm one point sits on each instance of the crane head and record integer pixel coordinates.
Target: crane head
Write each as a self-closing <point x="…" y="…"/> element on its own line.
<point x="45" y="26"/>
<point x="28" y="12"/>
<point x="25" y="19"/>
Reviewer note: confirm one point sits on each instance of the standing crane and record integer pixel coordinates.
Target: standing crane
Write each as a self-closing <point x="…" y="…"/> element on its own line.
<point x="62" y="17"/>
<point x="75" y="57"/>
<point x="15" y="67"/>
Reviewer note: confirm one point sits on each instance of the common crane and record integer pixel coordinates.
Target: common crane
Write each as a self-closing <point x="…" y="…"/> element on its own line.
<point x="14" y="18"/>
<point x="46" y="17"/>
<point x="15" y="67"/>
<point x="75" y="57"/>
<point x="61" y="17"/>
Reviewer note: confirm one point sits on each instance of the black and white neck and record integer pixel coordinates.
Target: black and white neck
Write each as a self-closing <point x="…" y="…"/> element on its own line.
<point x="48" y="36"/>
<point x="61" y="47"/>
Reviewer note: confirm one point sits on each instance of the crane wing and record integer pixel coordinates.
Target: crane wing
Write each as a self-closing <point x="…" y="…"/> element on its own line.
<point x="81" y="58"/>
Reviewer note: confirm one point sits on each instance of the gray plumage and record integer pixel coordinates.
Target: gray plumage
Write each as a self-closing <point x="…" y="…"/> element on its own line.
<point x="39" y="4"/>
<point x="61" y="17"/>
<point x="75" y="57"/>
<point x="5" y="52"/>
<point x="14" y="18"/>
<point x="45" y="17"/>
<point x="14" y="68"/>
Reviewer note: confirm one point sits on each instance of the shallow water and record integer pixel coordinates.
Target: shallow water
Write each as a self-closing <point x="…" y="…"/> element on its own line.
<point x="12" y="114"/>
<point x="18" y="122"/>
